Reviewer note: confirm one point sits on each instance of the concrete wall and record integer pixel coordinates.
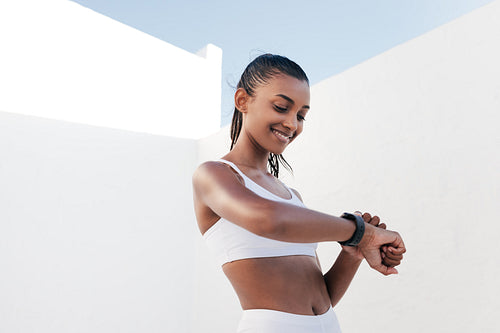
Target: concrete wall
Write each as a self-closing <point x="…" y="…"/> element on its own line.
<point x="216" y="306"/>
<point x="63" y="61"/>
<point x="96" y="229"/>
<point x="410" y="135"/>
<point x="96" y="226"/>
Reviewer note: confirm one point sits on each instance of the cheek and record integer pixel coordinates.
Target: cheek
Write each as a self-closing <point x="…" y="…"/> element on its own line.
<point x="298" y="131"/>
<point x="300" y="128"/>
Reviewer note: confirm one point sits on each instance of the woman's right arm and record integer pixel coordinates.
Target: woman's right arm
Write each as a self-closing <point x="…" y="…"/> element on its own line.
<point x="219" y="189"/>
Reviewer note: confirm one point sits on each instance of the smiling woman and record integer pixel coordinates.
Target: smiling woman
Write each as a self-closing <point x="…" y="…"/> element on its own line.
<point x="269" y="112"/>
<point x="257" y="74"/>
<point x="260" y="231"/>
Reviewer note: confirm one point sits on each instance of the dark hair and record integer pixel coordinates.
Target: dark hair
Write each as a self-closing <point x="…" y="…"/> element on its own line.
<point x="258" y="72"/>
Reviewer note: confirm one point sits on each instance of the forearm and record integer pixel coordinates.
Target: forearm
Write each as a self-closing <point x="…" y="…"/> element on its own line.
<point x="339" y="277"/>
<point x="219" y="190"/>
<point x="299" y="224"/>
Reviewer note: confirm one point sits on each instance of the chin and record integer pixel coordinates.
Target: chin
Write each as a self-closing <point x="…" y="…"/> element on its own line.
<point x="277" y="151"/>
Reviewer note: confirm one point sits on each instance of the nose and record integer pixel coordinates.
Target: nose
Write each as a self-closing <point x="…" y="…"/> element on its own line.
<point x="291" y="122"/>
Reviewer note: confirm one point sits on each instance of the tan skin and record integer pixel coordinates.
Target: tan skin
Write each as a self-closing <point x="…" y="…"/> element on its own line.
<point x="293" y="284"/>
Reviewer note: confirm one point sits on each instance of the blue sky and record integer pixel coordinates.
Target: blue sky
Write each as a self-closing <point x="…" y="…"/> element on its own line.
<point x="324" y="37"/>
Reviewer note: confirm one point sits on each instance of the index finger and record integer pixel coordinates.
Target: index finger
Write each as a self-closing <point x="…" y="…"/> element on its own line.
<point x="397" y="243"/>
<point x="397" y="251"/>
<point x="386" y="270"/>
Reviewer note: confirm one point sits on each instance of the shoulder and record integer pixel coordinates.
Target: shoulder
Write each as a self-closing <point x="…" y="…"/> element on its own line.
<point x="207" y="168"/>
<point x="214" y="171"/>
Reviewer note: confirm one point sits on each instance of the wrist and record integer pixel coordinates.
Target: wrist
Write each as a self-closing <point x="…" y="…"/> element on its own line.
<point x="352" y="255"/>
<point x="359" y="231"/>
<point x="368" y="236"/>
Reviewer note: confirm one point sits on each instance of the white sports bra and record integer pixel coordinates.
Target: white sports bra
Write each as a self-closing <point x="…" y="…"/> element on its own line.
<point x="229" y="242"/>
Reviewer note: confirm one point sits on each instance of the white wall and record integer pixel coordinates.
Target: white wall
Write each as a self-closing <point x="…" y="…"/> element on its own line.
<point x="63" y="61"/>
<point x="96" y="229"/>
<point x="216" y="306"/>
<point x="410" y="135"/>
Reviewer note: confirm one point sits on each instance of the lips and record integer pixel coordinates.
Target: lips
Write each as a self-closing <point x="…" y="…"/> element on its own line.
<point x="284" y="137"/>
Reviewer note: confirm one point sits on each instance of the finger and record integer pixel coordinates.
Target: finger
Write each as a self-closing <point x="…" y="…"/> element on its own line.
<point x="382" y="225"/>
<point x="387" y="264"/>
<point x="392" y="249"/>
<point x="367" y="217"/>
<point x="373" y="258"/>
<point x="390" y="265"/>
<point x="392" y="252"/>
<point x="394" y="257"/>
<point x="391" y="262"/>
<point x="397" y="242"/>
<point x="371" y="248"/>
<point x="386" y="270"/>
<point x="375" y="220"/>
<point x="396" y="251"/>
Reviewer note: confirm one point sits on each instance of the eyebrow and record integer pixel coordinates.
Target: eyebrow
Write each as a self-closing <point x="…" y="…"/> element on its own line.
<point x="291" y="100"/>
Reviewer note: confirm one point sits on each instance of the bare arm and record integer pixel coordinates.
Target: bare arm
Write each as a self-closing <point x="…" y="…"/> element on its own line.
<point x="340" y="275"/>
<point x="219" y="189"/>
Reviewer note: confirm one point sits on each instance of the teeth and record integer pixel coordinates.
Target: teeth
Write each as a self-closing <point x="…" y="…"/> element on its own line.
<point x="280" y="134"/>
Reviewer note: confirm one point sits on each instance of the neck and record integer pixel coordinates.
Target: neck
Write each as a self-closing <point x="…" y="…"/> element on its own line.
<point x="251" y="157"/>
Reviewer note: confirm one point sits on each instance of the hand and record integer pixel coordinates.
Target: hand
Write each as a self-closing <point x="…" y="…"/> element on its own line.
<point x="391" y="257"/>
<point x="354" y="250"/>
<point x="383" y="249"/>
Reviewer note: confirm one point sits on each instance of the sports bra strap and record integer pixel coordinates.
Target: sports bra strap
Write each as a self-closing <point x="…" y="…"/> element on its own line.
<point x="231" y="164"/>
<point x="249" y="183"/>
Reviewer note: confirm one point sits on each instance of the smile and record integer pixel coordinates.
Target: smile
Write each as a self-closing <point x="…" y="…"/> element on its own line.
<point x="282" y="136"/>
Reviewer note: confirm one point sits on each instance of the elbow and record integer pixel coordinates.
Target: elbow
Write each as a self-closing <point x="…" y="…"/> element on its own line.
<point x="269" y="221"/>
<point x="334" y="299"/>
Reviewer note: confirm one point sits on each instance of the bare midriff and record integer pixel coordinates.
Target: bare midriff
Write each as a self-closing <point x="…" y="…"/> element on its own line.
<point x="291" y="284"/>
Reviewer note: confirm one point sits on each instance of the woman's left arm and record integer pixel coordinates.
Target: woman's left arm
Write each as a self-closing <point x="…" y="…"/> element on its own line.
<point x="340" y="275"/>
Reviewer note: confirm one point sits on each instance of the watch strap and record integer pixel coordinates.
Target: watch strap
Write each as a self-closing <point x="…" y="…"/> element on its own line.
<point x="360" y="229"/>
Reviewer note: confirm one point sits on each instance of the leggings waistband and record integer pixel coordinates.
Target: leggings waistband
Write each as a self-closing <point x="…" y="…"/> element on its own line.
<point x="265" y="314"/>
<point x="271" y="321"/>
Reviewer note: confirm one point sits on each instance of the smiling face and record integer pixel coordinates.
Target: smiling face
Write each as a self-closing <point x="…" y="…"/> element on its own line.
<point x="274" y="116"/>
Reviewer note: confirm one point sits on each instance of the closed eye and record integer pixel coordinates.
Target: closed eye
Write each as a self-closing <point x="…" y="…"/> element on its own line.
<point x="280" y="109"/>
<point x="284" y="109"/>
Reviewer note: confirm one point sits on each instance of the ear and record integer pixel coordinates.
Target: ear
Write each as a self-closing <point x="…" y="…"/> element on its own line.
<point x="241" y="99"/>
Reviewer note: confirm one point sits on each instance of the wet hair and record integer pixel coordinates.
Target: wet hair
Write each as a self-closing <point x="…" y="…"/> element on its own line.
<point x="257" y="73"/>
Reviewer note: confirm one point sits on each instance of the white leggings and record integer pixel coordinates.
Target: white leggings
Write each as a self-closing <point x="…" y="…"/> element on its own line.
<point x="272" y="321"/>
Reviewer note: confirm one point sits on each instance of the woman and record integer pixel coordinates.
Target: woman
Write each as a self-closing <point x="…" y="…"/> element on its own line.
<point x="259" y="229"/>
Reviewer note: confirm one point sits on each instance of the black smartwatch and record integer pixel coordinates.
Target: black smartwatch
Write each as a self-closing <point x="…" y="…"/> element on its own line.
<point x="360" y="229"/>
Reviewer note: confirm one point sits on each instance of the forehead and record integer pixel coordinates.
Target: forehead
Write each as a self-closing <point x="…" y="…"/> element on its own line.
<point x="296" y="89"/>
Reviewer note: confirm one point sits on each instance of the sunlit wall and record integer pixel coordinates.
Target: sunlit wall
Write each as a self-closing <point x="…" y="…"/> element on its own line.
<point x="63" y="61"/>
<point x="97" y="230"/>
<point x="412" y="136"/>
